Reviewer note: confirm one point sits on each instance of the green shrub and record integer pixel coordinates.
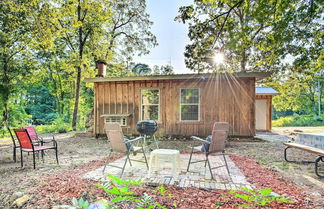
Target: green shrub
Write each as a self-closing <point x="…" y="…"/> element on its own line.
<point x="299" y="120"/>
<point x="58" y="126"/>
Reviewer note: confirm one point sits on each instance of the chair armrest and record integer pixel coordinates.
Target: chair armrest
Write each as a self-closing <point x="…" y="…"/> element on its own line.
<point x="135" y="140"/>
<point x="200" y="139"/>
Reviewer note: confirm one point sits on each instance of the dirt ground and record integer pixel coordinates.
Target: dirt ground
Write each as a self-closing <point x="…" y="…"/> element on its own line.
<point x="74" y="151"/>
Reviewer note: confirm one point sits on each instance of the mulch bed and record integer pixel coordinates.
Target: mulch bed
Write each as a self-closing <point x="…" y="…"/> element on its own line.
<point x="59" y="189"/>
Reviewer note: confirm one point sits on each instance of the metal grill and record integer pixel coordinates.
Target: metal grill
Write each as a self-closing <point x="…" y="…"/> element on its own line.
<point x="146" y="127"/>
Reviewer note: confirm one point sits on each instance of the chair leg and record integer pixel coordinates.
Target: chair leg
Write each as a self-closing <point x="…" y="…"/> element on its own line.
<point x="190" y="157"/>
<point x="14" y="154"/>
<point x="103" y="171"/>
<point x="42" y="155"/>
<point x="320" y="158"/>
<point x="34" y="160"/>
<point x="130" y="163"/>
<point x="206" y="159"/>
<point x="226" y="165"/>
<point x="124" y="165"/>
<point x="21" y="158"/>
<point x="145" y="157"/>
<point x="210" y="169"/>
<point x="57" y="161"/>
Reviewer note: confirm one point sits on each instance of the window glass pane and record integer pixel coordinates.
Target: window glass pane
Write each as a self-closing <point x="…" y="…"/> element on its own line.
<point x="189" y="96"/>
<point x="150" y="96"/>
<point x="189" y="112"/>
<point x="150" y="112"/>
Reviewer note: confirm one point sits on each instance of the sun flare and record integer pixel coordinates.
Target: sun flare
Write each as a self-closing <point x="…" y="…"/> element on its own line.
<point x="219" y="58"/>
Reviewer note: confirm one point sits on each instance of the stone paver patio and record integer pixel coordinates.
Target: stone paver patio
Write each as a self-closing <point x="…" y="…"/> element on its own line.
<point x="199" y="175"/>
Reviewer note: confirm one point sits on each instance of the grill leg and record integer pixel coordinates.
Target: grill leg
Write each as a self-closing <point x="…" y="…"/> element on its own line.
<point x="156" y="142"/>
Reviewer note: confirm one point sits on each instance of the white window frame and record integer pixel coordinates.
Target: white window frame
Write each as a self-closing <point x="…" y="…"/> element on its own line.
<point x="159" y="105"/>
<point x="199" y="97"/>
<point x="122" y="121"/>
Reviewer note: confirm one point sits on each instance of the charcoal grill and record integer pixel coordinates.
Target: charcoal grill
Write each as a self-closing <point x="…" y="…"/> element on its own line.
<point x="147" y="128"/>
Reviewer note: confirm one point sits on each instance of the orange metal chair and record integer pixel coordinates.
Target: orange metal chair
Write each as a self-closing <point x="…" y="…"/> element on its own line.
<point x="26" y="145"/>
<point x="15" y="144"/>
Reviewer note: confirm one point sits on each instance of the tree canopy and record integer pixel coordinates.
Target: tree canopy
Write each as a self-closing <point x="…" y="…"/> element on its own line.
<point x="60" y="41"/>
<point x="253" y="35"/>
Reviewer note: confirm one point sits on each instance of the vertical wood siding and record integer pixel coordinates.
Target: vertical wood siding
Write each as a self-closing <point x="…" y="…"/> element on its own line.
<point x="223" y="98"/>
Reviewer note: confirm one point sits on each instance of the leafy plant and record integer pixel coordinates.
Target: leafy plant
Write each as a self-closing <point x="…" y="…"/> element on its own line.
<point x="258" y="198"/>
<point x="162" y="190"/>
<point x="121" y="192"/>
<point x="80" y="203"/>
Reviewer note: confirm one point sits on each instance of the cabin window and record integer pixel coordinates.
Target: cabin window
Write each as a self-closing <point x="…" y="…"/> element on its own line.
<point x="189" y="104"/>
<point x="122" y="121"/>
<point x="150" y="104"/>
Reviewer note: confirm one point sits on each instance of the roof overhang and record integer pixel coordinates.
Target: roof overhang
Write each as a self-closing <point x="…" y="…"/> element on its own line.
<point x="265" y="91"/>
<point x="203" y="76"/>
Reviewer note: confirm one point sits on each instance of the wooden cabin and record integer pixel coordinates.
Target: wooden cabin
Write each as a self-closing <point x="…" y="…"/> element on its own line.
<point x="183" y="104"/>
<point x="263" y="108"/>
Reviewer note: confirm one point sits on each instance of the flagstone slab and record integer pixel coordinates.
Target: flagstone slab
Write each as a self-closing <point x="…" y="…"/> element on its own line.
<point x="198" y="175"/>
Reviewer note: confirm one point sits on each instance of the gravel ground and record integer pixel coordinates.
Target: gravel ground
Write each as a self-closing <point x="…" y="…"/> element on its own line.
<point x="74" y="151"/>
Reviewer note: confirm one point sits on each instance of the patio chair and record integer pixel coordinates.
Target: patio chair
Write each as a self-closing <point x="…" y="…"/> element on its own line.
<point x="26" y="145"/>
<point x="118" y="143"/>
<point x="15" y="144"/>
<point x="35" y="137"/>
<point x="215" y="144"/>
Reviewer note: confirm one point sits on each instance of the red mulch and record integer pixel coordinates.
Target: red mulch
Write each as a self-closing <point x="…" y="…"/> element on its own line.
<point x="59" y="189"/>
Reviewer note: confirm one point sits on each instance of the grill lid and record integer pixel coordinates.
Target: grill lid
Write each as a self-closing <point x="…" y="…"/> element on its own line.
<point x="146" y="127"/>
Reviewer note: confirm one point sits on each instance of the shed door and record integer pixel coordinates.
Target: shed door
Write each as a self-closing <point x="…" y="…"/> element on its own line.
<point x="261" y="114"/>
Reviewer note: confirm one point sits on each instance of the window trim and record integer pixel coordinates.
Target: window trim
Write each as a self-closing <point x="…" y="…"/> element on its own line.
<point x="159" y="105"/>
<point x="120" y="122"/>
<point x="190" y="104"/>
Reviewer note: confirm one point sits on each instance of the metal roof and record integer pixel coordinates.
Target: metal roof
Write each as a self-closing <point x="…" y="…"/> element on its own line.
<point x="258" y="75"/>
<point x="265" y="90"/>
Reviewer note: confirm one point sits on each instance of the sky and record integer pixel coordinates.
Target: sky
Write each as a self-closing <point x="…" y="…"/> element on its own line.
<point x="171" y="35"/>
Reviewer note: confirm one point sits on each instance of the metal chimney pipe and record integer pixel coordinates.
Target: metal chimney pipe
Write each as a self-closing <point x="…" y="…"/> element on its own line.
<point x="101" y="66"/>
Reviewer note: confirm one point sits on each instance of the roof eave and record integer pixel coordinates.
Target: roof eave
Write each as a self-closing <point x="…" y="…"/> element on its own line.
<point x="257" y="75"/>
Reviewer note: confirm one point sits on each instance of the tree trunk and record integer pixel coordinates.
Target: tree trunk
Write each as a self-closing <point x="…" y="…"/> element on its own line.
<point x="5" y="114"/>
<point x="243" y="61"/>
<point x="77" y="90"/>
<point x="77" y="97"/>
<point x="5" y="93"/>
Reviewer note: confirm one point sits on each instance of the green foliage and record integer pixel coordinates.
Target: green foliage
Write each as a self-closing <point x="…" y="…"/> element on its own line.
<point x="162" y="190"/>
<point x="258" y="198"/>
<point x="80" y="203"/>
<point x="41" y="105"/>
<point x="58" y="126"/>
<point x="253" y="35"/>
<point x="163" y="70"/>
<point x="299" y="120"/>
<point x="121" y="192"/>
